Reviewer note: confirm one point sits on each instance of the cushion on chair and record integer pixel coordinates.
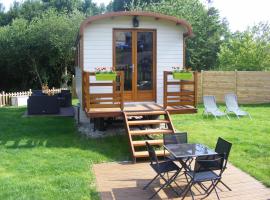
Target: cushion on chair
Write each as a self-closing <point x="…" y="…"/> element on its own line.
<point x="166" y="166"/>
<point x="203" y="176"/>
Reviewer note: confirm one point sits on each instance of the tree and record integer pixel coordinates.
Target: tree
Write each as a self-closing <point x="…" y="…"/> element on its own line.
<point x="34" y="8"/>
<point x="38" y="51"/>
<point x="208" y="29"/>
<point x="37" y="39"/>
<point x="122" y="5"/>
<point x="248" y="50"/>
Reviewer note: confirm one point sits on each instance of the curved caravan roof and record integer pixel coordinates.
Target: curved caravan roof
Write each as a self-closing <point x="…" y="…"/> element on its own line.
<point x="157" y="16"/>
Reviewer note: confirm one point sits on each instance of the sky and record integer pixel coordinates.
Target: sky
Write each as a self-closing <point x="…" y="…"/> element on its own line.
<point x="239" y="13"/>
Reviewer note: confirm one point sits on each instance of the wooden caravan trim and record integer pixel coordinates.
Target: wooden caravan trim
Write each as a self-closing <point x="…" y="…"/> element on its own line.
<point x="177" y="21"/>
<point x="141" y="95"/>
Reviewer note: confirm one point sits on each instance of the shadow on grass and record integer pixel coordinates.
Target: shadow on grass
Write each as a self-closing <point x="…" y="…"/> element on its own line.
<point x="54" y="132"/>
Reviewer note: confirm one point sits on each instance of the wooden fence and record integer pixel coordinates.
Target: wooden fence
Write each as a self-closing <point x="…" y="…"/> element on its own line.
<point x="251" y="87"/>
<point x="5" y="98"/>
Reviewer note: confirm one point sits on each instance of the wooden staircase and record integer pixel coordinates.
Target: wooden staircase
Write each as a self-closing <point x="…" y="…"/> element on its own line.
<point x="147" y="126"/>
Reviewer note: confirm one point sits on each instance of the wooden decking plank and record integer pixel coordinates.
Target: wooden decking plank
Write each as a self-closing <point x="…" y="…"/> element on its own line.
<point x="151" y="131"/>
<point x="147" y="112"/>
<point x="144" y="154"/>
<point x="142" y="142"/>
<point x="146" y="122"/>
<point x="126" y="181"/>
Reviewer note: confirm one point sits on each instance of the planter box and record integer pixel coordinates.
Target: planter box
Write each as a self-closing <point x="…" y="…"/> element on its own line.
<point x="106" y="77"/>
<point x="182" y="75"/>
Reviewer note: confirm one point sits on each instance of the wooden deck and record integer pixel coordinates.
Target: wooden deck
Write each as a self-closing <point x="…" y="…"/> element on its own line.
<point x="177" y="101"/>
<point x="143" y="107"/>
<point x="122" y="181"/>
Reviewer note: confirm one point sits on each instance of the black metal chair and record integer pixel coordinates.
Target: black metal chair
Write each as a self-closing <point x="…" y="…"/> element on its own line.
<point x="175" y="138"/>
<point x="204" y="172"/>
<point x="161" y="168"/>
<point x="224" y="147"/>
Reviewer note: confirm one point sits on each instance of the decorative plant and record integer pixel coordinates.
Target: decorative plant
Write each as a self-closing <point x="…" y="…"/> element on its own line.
<point x="179" y="70"/>
<point x="105" y="74"/>
<point x="104" y="70"/>
<point x="66" y="77"/>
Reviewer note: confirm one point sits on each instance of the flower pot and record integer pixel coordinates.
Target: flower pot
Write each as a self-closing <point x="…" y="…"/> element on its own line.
<point x="106" y="77"/>
<point x="182" y="75"/>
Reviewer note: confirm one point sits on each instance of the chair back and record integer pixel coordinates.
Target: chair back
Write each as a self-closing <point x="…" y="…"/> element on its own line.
<point x="231" y="102"/>
<point x="223" y="147"/>
<point x="175" y="138"/>
<point x="209" y="103"/>
<point x="152" y="154"/>
<point x="209" y="163"/>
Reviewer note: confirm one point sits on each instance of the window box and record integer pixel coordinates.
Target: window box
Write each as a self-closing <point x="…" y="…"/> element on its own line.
<point x="182" y="75"/>
<point x="106" y="76"/>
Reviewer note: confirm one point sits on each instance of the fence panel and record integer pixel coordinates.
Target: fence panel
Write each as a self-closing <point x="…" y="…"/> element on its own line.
<point x="250" y="86"/>
<point x="5" y="98"/>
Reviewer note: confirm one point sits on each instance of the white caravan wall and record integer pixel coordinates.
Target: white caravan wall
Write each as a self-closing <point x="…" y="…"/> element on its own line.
<point x="98" y="45"/>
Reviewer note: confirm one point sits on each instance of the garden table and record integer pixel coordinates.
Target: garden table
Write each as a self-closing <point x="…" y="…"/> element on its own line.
<point x="185" y="152"/>
<point x="188" y="151"/>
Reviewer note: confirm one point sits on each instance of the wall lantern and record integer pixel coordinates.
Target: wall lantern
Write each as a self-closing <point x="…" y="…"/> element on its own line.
<point x="135" y="21"/>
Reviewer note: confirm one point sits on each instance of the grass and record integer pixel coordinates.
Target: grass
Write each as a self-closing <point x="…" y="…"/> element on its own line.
<point x="250" y="138"/>
<point x="45" y="157"/>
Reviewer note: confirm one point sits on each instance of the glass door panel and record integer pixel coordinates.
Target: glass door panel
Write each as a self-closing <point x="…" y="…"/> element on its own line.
<point x="123" y="56"/>
<point x="144" y="60"/>
<point x="134" y="54"/>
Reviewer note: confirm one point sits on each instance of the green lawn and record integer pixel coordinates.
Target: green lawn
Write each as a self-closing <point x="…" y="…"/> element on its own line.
<point x="45" y="157"/>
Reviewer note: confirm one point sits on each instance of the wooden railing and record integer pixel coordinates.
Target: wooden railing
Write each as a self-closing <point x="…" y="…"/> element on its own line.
<point x="115" y="99"/>
<point x="185" y="96"/>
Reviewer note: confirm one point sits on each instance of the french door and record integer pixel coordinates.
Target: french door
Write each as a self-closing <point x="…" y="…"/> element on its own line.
<point x="134" y="52"/>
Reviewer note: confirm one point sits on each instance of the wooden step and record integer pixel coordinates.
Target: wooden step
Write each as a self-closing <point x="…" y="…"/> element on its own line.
<point x="161" y="112"/>
<point x="151" y="142"/>
<point x="144" y="154"/>
<point x="151" y="131"/>
<point x="146" y="122"/>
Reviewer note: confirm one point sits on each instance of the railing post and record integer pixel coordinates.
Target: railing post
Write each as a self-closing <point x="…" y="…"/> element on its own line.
<point x="202" y="82"/>
<point x="165" y="79"/>
<point x="195" y="75"/>
<point x="3" y="98"/>
<point x="122" y="80"/>
<point x="7" y="98"/>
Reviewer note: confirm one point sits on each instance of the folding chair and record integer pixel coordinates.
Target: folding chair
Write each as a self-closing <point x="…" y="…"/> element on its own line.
<point x="204" y="172"/>
<point x="210" y="107"/>
<point x="161" y="168"/>
<point x="232" y="106"/>
<point x="174" y="138"/>
<point x="224" y="147"/>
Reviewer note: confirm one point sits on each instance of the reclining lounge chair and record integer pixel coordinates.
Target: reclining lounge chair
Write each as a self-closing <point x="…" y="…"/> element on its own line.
<point x="233" y="107"/>
<point x="210" y="107"/>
